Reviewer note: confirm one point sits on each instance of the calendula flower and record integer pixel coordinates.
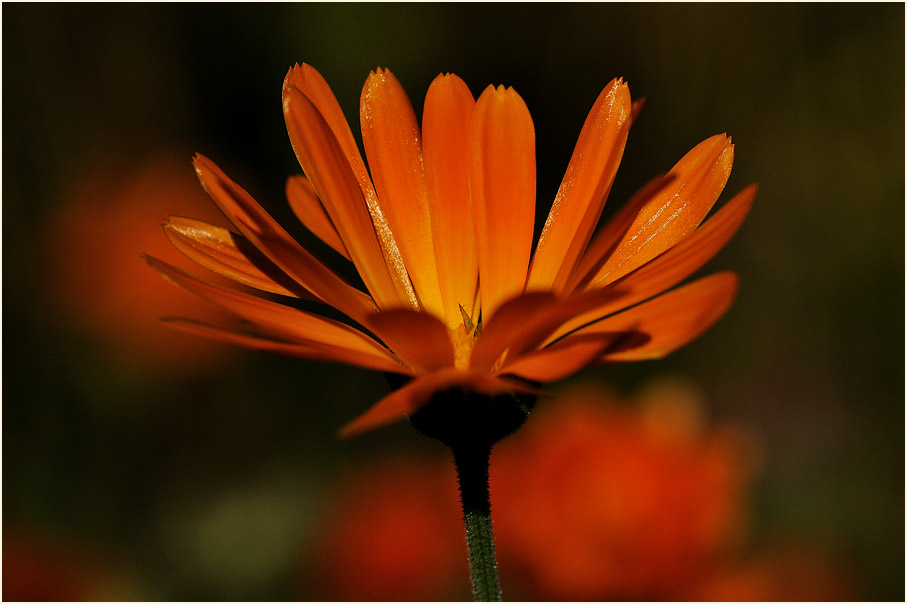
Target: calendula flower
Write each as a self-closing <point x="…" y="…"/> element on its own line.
<point x="440" y="226"/>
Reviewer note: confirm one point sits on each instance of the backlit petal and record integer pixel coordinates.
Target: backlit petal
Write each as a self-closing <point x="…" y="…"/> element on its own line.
<point x="230" y="255"/>
<point x="502" y="188"/>
<point x="269" y="237"/>
<point x="636" y="109"/>
<point x="681" y="261"/>
<point x="675" y="265"/>
<point x="308" y="209"/>
<point x="419" y="340"/>
<point x="584" y="189"/>
<point x="375" y="360"/>
<point x="312" y="84"/>
<point x="606" y="239"/>
<point x="326" y="166"/>
<point x="526" y="321"/>
<point x="414" y="395"/>
<point x="282" y="321"/>
<point x="670" y="320"/>
<point x="306" y="79"/>
<point x="393" y="146"/>
<point x="445" y="127"/>
<point x="560" y="360"/>
<point x="675" y="211"/>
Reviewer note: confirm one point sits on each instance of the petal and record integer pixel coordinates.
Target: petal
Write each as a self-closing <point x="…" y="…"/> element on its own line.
<point x="274" y="242"/>
<point x="689" y="255"/>
<point x="670" y="320"/>
<point x="502" y="188"/>
<point x="524" y="322"/>
<point x="636" y="109"/>
<point x="326" y="166"/>
<point x="560" y="360"/>
<point x="230" y="255"/>
<point x="675" y="211"/>
<point x="675" y="265"/>
<point x="314" y="351"/>
<point x="308" y="209"/>
<point x="285" y="322"/>
<point x="605" y="240"/>
<point x="584" y="189"/>
<point x="419" y="340"/>
<point x="445" y="125"/>
<point x="409" y="398"/>
<point x="393" y="146"/>
<point x="306" y="79"/>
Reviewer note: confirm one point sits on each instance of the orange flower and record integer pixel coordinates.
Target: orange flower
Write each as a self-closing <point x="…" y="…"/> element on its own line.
<point x="637" y="500"/>
<point x="607" y="498"/>
<point x="441" y="235"/>
<point x="40" y="566"/>
<point x="402" y="546"/>
<point x="109" y="214"/>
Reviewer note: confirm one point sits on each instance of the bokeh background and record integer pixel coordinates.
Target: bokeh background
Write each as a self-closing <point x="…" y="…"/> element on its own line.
<point x="139" y="463"/>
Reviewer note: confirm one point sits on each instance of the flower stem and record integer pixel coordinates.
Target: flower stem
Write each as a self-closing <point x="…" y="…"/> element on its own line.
<point x="470" y="423"/>
<point x="472" y="464"/>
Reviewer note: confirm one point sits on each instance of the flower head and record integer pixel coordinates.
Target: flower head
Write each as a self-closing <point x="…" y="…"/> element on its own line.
<point x="439" y="227"/>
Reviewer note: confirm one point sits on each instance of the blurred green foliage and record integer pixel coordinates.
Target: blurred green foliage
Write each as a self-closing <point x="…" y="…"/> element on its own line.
<point x="204" y="485"/>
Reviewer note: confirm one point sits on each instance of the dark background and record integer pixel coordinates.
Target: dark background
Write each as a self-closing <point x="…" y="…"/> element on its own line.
<point x="199" y="478"/>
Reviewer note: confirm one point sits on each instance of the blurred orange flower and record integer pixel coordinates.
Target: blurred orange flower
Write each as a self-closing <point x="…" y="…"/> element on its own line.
<point x="404" y="544"/>
<point x="604" y="500"/>
<point x="790" y="573"/>
<point x="108" y="217"/>
<point x="441" y="236"/>
<point x="39" y="567"/>
<point x="601" y="498"/>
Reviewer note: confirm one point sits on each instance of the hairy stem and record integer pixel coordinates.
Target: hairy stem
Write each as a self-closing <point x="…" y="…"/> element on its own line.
<point x="472" y="472"/>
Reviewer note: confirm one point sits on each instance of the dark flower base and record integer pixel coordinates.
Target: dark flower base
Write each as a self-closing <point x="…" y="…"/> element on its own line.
<point x="469" y="420"/>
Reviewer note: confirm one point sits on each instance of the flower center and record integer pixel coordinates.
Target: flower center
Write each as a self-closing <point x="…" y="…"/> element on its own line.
<point x="463" y="340"/>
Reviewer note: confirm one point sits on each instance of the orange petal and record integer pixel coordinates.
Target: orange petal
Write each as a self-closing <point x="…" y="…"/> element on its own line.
<point x="689" y="255"/>
<point x="678" y="263"/>
<point x="419" y="340"/>
<point x="411" y="397"/>
<point x="670" y="320"/>
<point x="636" y="109"/>
<point x="560" y="360"/>
<point x="312" y="85"/>
<point x="605" y="240"/>
<point x="584" y="189"/>
<point x="524" y="322"/>
<point x="314" y="351"/>
<point x="274" y="242"/>
<point x="675" y="211"/>
<point x="308" y="209"/>
<point x="502" y="186"/>
<point x="285" y="322"/>
<point x="393" y="146"/>
<point x="327" y="168"/>
<point x="230" y="255"/>
<point x="445" y="124"/>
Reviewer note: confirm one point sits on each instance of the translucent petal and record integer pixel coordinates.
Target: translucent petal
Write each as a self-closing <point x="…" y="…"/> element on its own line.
<point x="393" y="145"/>
<point x="584" y="189"/>
<point x="445" y="125"/>
<point x="502" y="188"/>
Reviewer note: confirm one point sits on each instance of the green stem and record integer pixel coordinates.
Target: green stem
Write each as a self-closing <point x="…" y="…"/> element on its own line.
<point x="472" y="463"/>
<point x="470" y="423"/>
